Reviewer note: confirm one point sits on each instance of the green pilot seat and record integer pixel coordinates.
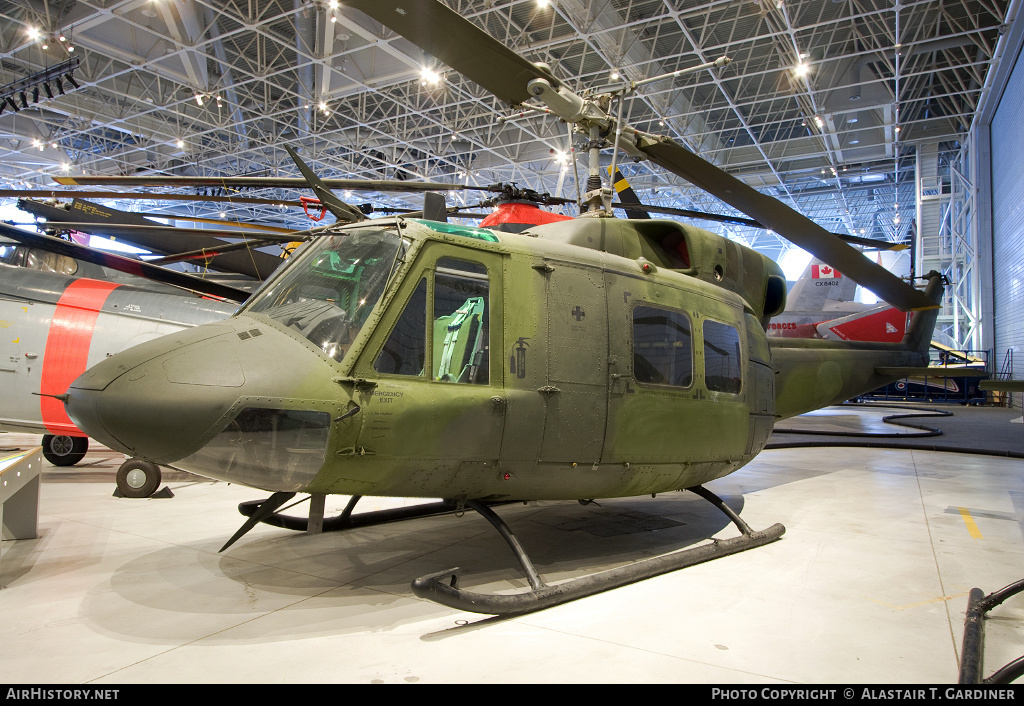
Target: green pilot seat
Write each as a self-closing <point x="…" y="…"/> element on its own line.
<point x="458" y="342"/>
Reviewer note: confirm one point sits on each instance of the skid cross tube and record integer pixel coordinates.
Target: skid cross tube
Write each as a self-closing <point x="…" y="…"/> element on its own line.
<point x="348" y="520"/>
<point x="972" y="653"/>
<point x="442" y="587"/>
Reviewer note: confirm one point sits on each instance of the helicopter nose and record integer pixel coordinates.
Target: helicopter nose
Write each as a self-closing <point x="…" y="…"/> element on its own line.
<point x="217" y="401"/>
<point x="156" y="401"/>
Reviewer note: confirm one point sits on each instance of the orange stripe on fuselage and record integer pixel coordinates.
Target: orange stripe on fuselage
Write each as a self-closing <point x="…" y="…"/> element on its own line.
<point x="67" y="348"/>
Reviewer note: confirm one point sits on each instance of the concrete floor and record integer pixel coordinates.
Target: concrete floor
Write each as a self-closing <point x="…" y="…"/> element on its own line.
<point x="868" y="585"/>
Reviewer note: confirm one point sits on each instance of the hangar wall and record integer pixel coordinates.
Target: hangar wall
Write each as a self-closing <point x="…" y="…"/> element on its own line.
<point x="1002" y="143"/>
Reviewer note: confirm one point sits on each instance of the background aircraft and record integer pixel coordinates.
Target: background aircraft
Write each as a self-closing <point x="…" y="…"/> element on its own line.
<point x="59" y="314"/>
<point x="53" y="326"/>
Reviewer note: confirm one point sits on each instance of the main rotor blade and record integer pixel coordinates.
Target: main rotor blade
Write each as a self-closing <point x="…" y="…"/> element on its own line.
<point x="338" y="208"/>
<point x="221" y="222"/>
<point x="736" y="220"/>
<point x="629" y="201"/>
<point x="124" y="264"/>
<point x="785" y="221"/>
<point x="454" y="40"/>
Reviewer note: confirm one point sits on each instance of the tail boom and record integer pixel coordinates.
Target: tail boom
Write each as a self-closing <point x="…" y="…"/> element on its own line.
<point x="812" y="373"/>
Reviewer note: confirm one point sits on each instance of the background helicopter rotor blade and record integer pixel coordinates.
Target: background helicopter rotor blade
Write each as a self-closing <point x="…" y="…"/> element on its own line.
<point x="134" y="228"/>
<point x="123" y="230"/>
<point x="124" y="264"/>
<point x="260" y="182"/>
<point x="338" y="208"/>
<point x="135" y="196"/>
<point x="784" y="220"/>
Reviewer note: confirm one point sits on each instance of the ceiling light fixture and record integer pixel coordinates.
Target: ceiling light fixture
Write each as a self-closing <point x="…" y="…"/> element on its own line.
<point x="429" y="76"/>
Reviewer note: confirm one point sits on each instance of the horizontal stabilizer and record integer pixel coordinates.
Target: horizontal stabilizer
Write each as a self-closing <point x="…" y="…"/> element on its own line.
<point x="1002" y="385"/>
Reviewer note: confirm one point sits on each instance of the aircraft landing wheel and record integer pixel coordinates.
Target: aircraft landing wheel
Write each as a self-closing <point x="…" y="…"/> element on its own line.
<point x="61" y="450"/>
<point x="137" y="478"/>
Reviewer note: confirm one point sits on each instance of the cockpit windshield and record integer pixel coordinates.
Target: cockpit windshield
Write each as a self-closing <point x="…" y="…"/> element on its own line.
<point x="327" y="293"/>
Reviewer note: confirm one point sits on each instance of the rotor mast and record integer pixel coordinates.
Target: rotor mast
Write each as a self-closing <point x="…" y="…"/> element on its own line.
<point x="592" y="117"/>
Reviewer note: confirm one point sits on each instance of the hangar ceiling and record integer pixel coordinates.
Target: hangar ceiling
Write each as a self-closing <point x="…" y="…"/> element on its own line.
<point x="219" y="88"/>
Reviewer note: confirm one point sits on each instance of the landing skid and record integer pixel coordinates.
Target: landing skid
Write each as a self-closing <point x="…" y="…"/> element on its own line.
<point x="433" y="586"/>
<point x="442" y="587"/>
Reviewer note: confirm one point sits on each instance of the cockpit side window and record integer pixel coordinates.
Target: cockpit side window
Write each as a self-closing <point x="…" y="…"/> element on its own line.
<point x="11" y="254"/>
<point x="50" y="262"/>
<point x="405" y="351"/>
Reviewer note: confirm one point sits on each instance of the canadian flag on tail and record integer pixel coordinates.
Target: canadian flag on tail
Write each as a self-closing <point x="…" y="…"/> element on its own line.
<point x="824" y="272"/>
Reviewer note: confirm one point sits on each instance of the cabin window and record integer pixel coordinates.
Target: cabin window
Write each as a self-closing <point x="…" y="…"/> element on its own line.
<point x="662" y="347"/>
<point x="461" y="323"/>
<point x="722" y="360"/>
<point x="405" y="351"/>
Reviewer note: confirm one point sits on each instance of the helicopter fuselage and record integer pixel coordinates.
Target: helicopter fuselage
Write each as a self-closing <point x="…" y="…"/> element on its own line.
<point x="585" y="359"/>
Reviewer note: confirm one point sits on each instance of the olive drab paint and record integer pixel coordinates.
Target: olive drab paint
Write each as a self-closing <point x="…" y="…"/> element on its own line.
<point x="582" y="359"/>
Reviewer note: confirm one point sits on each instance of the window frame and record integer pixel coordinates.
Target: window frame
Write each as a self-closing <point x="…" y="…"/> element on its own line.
<point x="429" y="271"/>
<point x="739" y="350"/>
<point x="633" y="350"/>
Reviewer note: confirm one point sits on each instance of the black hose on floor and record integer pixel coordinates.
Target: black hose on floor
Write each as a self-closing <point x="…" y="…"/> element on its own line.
<point x="872" y="439"/>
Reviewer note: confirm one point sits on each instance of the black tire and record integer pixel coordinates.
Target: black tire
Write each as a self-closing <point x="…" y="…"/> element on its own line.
<point x="61" y="450"/>
<point x="137" y="478"/>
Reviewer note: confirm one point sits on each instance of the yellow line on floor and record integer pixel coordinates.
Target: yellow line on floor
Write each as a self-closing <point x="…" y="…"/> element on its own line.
<point x="972" y="526"/>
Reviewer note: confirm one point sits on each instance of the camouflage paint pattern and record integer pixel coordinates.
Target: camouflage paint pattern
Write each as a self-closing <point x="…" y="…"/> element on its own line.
<point x="564" y="413"/>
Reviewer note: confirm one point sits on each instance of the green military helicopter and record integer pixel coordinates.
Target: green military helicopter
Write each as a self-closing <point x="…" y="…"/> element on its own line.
<point x="583" y="359"/>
